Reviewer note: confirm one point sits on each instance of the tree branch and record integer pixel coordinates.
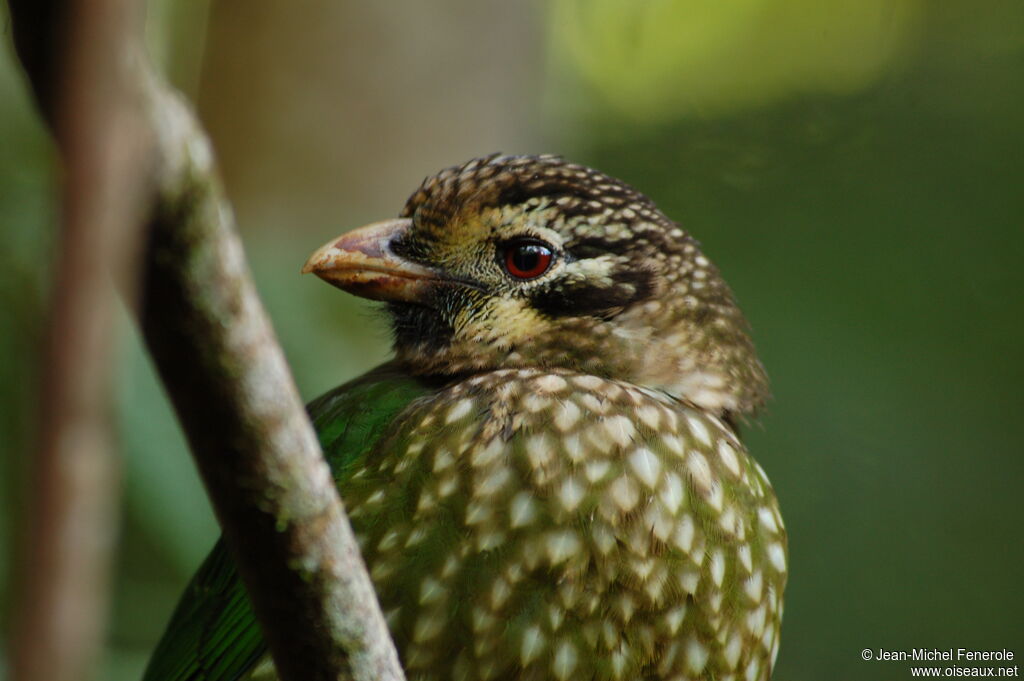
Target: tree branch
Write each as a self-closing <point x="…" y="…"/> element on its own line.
<point x="71" y="522"/>
<point x="229" y="383"/>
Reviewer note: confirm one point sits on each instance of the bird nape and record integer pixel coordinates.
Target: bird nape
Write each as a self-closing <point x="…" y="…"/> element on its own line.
<point x="546" y="481"/>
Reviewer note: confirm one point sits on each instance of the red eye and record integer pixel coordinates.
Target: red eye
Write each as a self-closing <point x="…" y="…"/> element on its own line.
<point x="527" y="259"/>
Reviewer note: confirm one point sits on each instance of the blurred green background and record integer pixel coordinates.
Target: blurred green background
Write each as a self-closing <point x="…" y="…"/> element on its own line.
<point x="856" y="169"/>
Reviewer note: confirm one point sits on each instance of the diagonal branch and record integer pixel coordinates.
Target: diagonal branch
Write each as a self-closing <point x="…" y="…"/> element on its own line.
<point x="227" y="377"/>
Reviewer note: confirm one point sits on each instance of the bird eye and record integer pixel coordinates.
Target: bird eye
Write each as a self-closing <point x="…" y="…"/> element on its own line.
<point x="527" y="259"/>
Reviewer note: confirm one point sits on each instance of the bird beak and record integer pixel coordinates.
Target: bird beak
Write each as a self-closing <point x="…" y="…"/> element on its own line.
<point x="361" y="262"/>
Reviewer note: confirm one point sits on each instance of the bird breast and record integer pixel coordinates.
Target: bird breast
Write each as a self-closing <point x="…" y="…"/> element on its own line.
<point x="529" y="524"/>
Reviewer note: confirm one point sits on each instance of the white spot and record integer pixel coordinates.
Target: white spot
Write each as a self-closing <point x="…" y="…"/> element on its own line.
<point x="717" y="567"/>
<point x="403" y="463"/>
<point x="598" y="439"/>
<point x="753" y="668"/>
<point x="728" y="456"/>
<point x="655" y="586"/>
<point x="699" y="430"/>
<point x="727" y="520"/>
<point x="569" y="593"/>
<point x="477" y="512"/>
<point x="535" y="403"/>
<point x="567" y="415"/>
<point x="588" y="382"/>
<point x="674" y="618"/>
<point x="624" y="493"/>
<point x="716" y="497"/>
<point x="388" y="541"/>
<point x="533" y="644"/>
<point x="619" y="660"/>
<point x="427" y="627"/>
<point x="447" y="485"/>
<point x="442" y="459"/>
<point x="460" y="409"/>
<point x="777" y="555"/>
<point x="426" y="502"/>
<point x="493" y="482"/>
<point x="660" y="522"/>
<point x="565" y="661"/>
<point x="672" y="420"/>
<point x="486" y="541"/>
<point x="482" y="620"/>
<point x="700" y="471"/>
<point x="550" y="383"/>
<point x="646" y="465"/>
<point x="382" y="570"/>
<point x="570" y="494"/>
<point x="673" y="443"/>
<point x="555" y="616"/>
<point x="745" y="558"/>
<point x="733" y="649"/>
<point x="620" y="430"/>
<point x="672" y="492"/>
<point x="451" y="564"/>
<point x="538" y="451"/>
<point x="595" y="470"/>
<point x="689" y="581"/>
<point x="650" y="415"/>
<point x="685" y="530"/>
<point x="500" y="591"/>
<point x="753" y="586"/>
<point x="514" y="572"/>
<point x="696" y="656"/>
<point x="642" y="568"/>
<point x="699" y="552"/>
<point x="767" y="519"/>
<point x="431" y="591"/>
<point x="592" y="404"/>
<point x="561" y="546"/>
<point x="523" y="510"/>
<point x="574" y="448"/>
<point x="603" y="538"/>
<point x="483" y="456"/>
<point x="755" y="621"/>
<point x="761" y="474"/>
<point x="416" y="536"/>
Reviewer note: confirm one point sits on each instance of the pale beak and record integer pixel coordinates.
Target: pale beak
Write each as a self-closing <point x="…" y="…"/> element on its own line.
<point x="361" y="262"/>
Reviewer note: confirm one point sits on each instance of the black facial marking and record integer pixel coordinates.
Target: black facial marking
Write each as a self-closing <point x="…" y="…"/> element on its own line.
<point x="593" y="247"/>
<point x="584" y="298"/>
<point x="411" y="246"/>
<point x="417" y="325"/>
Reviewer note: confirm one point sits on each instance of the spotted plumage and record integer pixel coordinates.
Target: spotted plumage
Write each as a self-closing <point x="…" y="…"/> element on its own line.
<point x="546" y="483"/>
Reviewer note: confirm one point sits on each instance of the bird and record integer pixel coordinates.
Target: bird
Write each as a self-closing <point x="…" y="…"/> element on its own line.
<point x="547" y="481"/>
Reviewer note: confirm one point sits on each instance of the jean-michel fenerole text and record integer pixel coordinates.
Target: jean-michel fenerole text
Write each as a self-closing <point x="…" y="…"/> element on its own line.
<point x="949" y="654"/>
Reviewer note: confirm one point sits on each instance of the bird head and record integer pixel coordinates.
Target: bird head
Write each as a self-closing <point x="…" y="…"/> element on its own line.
<point x="530" y="261"/>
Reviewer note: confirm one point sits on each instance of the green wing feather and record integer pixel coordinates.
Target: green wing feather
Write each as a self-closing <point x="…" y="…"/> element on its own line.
<point x="213" y="634"/>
